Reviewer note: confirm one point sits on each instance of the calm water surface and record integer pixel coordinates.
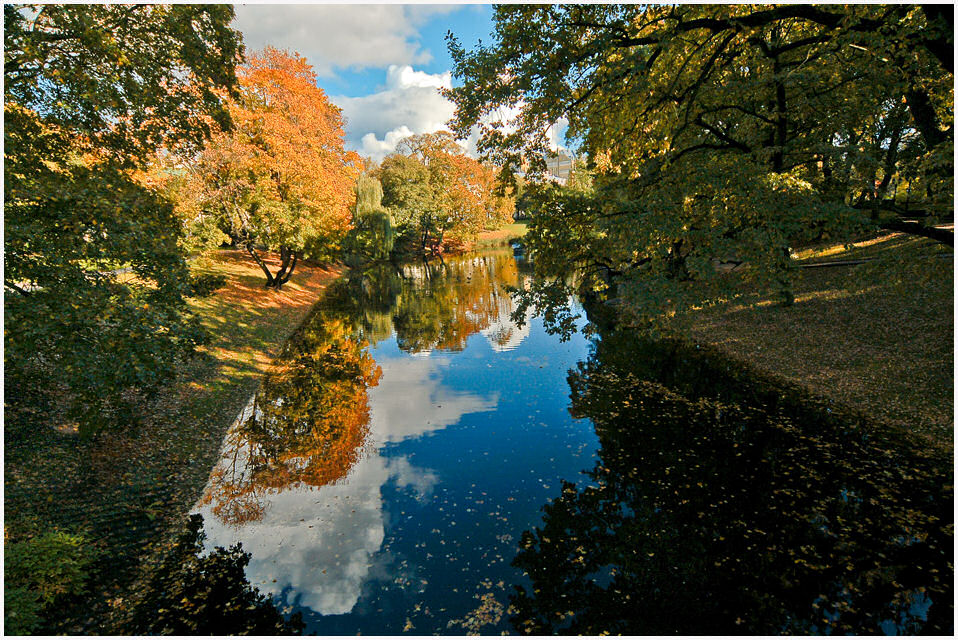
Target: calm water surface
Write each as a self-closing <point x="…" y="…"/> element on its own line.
<point x="404" y="512"/>
<point x="402" y="471"/>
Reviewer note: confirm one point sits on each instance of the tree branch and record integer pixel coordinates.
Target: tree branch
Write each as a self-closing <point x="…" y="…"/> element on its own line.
<point x="16" y="288"/>
<point x="259" y="261"/>
<point x="913" y="228"/>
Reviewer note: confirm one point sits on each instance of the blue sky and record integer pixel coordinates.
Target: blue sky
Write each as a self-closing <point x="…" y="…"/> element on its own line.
<point x="467" y="22"/>
<point x="382" y="64"/>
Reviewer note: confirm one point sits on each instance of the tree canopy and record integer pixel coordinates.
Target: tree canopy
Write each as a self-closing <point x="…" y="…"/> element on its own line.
<point x="281" y="178"/>
<point x="440" y="197"/>
<point x="91" y="92"/>
<point x="717" y="134"/>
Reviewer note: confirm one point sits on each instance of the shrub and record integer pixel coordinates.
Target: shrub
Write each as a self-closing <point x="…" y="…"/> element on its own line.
<point x="205" y="284"/>
<point x="38" y="572"/>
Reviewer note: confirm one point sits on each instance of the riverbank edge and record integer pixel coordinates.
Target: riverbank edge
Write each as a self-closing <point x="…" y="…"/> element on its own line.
<point x="874" y="332"/>
<point x="152" y="475"/>
<point x="233" y="410"/>
<point x="502" y="237"/>
<point x="814" y="396"/>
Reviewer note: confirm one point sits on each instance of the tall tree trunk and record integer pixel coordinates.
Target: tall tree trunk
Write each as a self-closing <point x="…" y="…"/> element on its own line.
<point x="925" y="118"/>
<point x="891" y="160"/>
<point x="288" y="257"/>
<point x="262" y="265"/>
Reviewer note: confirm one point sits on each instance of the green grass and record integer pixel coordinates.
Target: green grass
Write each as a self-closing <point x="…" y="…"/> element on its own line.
<point x="877" y="337"/>
<point x="502" y="236"/>
<point x="128" y="490"/>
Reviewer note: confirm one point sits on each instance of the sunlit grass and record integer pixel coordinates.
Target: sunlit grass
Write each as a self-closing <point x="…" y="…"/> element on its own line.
<point x="126" y="489"/>
<point x="503" y="235"/>
<point x="874" y="247"/>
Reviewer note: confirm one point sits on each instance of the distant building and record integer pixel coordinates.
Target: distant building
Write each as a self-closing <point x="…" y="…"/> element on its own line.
<point x="560" y="165"/>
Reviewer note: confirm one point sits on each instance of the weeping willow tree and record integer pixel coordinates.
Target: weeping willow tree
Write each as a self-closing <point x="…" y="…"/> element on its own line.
<point x="373" y="234"/>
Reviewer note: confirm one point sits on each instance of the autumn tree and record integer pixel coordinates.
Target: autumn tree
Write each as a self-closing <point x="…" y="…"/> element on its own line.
<point x="90" y="93"/>
<point x="716" y="134"/>
<point x="281" y="179"/>
<point x="439" y="195"/>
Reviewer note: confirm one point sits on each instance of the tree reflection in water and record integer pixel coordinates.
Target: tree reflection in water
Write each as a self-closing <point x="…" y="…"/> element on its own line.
<point x="310" y="419"/>
<point x="442" y="304"/>
<point x="726" y="510"/>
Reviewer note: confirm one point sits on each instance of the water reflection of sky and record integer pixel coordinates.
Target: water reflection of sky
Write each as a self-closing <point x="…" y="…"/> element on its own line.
<point x="464" y="447"/>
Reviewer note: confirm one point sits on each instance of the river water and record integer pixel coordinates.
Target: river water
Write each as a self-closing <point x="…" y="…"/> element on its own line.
<point x="419" y="463"/>
<point x="450" y="429"/>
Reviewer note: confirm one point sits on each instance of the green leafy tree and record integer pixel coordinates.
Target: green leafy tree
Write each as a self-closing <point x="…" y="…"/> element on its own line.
<point x="716" y="133"/>
<point x="441" y="198"/>
<point x="90" y="94"/>
<point x="416" y="203"/>
<point x="580" y="178"/>
<point x="373" y="234"/>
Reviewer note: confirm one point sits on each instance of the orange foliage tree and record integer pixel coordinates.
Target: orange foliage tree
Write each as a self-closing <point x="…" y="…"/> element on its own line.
<point x="281" y="180"/>
<point x="308" y="425"/>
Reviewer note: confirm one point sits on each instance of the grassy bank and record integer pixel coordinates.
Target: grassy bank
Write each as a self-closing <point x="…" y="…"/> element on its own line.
<point x="124" y="491"/>
<point x="877" y="336"/>
<point x="501" y="237"/>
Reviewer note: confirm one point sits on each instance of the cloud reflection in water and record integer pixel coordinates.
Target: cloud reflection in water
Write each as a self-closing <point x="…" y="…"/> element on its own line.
<point x="318" y="544"/>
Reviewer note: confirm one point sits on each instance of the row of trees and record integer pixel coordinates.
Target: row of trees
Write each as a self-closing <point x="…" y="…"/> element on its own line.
<point x="136" y="135"/>
<point x="90" y="94"/>
<point x="427" y="198"/>
<point x="717" y="133"/>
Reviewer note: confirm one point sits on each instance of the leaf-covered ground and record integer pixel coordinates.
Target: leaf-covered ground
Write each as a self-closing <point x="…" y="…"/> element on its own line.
<point x="876" y="336"/>
<point x="126" y="491"/>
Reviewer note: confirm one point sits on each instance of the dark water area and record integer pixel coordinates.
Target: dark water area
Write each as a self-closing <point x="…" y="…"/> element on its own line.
<point x="721" y="505"/>
<point x="419" y="463"/>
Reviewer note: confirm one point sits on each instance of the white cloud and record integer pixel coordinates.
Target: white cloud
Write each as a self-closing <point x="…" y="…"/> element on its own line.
<point x="340" y="36"/>
<point x="405" y="77"/>
<point x="337" y="37"/>
<point x="556" y="134"/>
<point x="410" y="401"/>
<point x="409" y="104"/>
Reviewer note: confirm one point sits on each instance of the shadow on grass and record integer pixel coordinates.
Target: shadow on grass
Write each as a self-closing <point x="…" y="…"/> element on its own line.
<point x="879" y="337"/>
<point x="126" y="490"/>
